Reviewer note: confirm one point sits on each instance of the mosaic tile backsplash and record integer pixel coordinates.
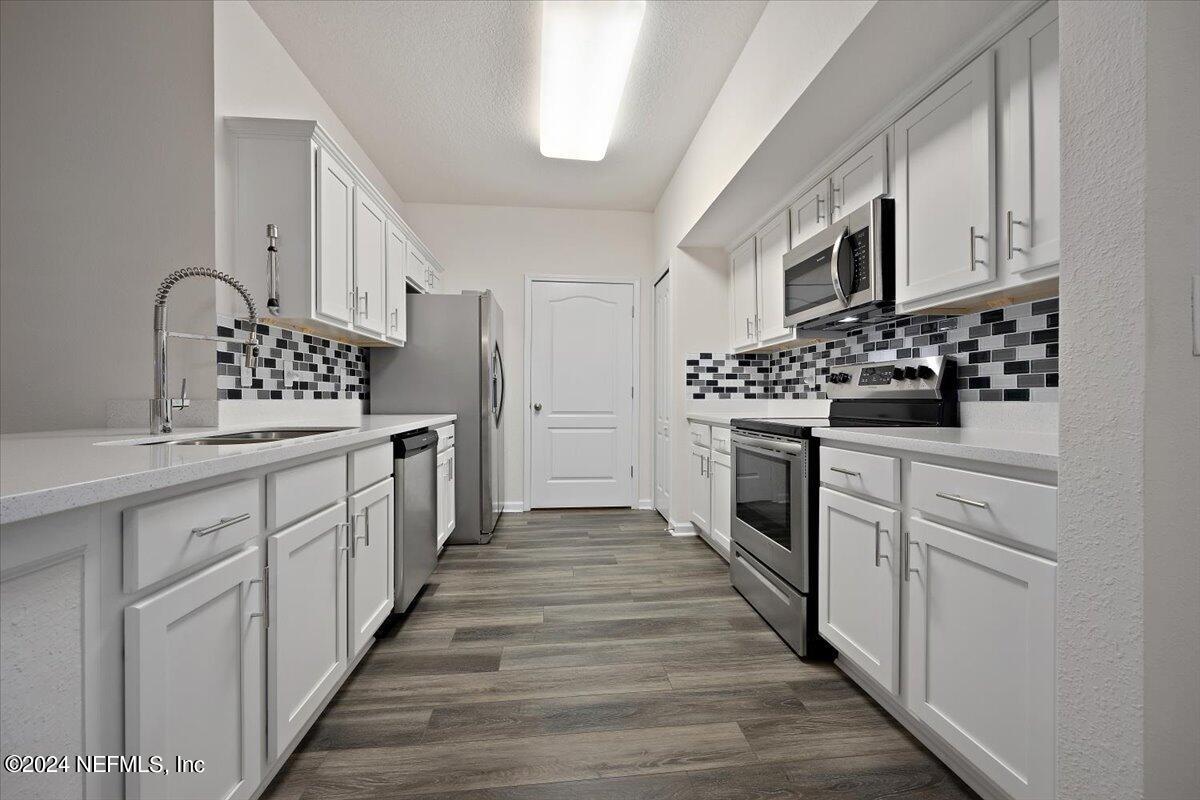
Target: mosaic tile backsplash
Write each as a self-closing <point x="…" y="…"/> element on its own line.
<point x="291" y="365"/>
<point x="1008" y="353"/>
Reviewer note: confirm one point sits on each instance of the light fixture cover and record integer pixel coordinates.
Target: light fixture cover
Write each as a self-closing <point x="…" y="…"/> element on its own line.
<point x="587" y="47"/>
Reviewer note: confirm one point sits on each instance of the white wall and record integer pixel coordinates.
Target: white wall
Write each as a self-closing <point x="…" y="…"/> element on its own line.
<point x="1128" y="618"/>
<point x="106" y="157"/>
<point x="495" y="247"/>
<point x="256" y="77"/>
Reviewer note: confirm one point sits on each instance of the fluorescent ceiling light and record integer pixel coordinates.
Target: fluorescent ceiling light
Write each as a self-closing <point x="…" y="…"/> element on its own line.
<point x="587" y="47"/>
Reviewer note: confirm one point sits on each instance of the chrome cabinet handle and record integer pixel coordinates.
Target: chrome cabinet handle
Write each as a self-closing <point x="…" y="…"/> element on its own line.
<point x="966" y="501"/>
<point x="366" y="537"/>
<point x="909" y="569"/>
<point x="395" y="318"/>
<point x="836" y="204"/>
<point x="266" y="596"/>
<point x="747" y="327"/>
<point x="451" y="464"/>
<point x="975" y="260"/>
<point x="879" y="554"/>
<point x="819" y="208"/>
<point x="849" y="472"/>
<point x="224" y="523"/>
<point x="1012" y="222"/>
<point x="757" y="326"/>
<point x="366" y="296"/>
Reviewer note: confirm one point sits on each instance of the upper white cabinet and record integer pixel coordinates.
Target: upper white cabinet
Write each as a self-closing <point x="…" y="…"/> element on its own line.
<point x="771" y="245"/>
<point x="944" y="186"/>
<point x="980" y="653"/>
<point x="343" y="251"/>
<point x="743" y="275"/>
<point x="370" y="265"/>
<point x="194" y="682"/>
<point x="862" y="178"/>
<point x="810" y="213"/>
<point x="1029" y="135"/>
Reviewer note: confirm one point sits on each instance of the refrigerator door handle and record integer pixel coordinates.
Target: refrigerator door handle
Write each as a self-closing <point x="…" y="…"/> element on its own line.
<point x="500" y="384"/>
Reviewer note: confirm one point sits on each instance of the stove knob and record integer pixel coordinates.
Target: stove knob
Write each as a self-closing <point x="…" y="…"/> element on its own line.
<point x="845" y="377"/>
<point x="924" y="372"/>
<point x="910" y="373"/>
<point x="835" y="377"/>
<point x="897" y="374"/>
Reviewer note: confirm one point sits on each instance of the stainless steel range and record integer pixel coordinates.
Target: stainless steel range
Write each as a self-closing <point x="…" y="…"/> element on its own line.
<point x="775" y="467"/>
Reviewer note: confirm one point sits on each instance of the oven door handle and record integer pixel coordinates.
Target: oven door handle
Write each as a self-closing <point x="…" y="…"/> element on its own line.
<point x="833" y="267"/>
<point x="771" y="448"/>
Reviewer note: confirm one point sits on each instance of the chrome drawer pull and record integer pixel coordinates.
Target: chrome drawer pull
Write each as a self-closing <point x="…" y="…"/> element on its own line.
<point x="224" y="523"/>
<point x="849" y="472"/>
<point x="966" y="501"/>
<point x="878" y="553"/>
<point x="909" y="569"/>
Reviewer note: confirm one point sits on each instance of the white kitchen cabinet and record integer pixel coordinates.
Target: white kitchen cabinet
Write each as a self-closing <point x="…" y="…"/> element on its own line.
<point x="980" y="653"/>
<point x="858" y="584"/>
<point x="944" y="187"/>
<point x="194" y="682"/>
<point x="306" y="633"/>
<point x="700" y="488"/>
<point x="721" y="479"/>
<point x="335" y="240"/>
<point x="445" y="495"/>
<point x="396" y="323"/>
<point x="771" y="245"/>
<point x="1029" y="135"/>
<point x="451" y="483"/>
<point x="370" y="265"/>
<point x="860" y="179"/>
<point x="810" y="213"/>
<point x="371" y="579"/>
<point x="424" y="274"/>
<point x="743" y="276"/>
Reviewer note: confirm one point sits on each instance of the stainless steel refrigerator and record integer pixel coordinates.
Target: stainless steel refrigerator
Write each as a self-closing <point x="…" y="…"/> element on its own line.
<point x="453" y="362"/>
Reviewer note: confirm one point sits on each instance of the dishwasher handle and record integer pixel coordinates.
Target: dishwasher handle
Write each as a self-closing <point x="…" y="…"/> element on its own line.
<point x="409" y="444"/>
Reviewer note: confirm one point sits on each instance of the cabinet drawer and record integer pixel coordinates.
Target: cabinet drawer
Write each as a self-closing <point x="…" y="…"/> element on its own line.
<point x="784" y="609"/>
<point x="299" y="491"/>
<point x="1017" y="510"/>
<point x="369" y="465"/>
<point x="163" y="538"/>
<point x="445" y="438"/>
<point x="862" y="473"/>
<point x="720" y="440"/>
<point x="701" y="433"/>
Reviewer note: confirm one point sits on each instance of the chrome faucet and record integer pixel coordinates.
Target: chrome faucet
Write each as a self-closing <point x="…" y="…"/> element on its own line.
<point x="162" y="406"/>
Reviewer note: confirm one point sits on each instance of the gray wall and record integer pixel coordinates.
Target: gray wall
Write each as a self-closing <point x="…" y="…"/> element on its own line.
<point x="106" y="156"/>
<point x="1128" y="619"/>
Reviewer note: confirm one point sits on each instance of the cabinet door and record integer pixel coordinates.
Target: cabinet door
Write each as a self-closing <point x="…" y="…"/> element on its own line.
<point x="1029" y="190"/>
<point x="443" y="492"/>
<point x="743" y="279"/>
<point x="858" y="582"/>
<point x="370" y="265"/>
<point x="194" y="682"/>
<point x="397" y="258"/>
<point x="335" y="240"/>
<point x="944" y="187"/>
<point x="435" y="279"/>
<point x="772" y="244"/>
<point x="450" y="493"/>
<point x="810" y="213"/>
<point x="861" y="179"/>
<point x="721" y="479"/>
<point x="699" y="488"/>
<point x="371" y="590"/>
<point x="418" y="268"/>
<point x="306" y="632"/>
<point x="980" y="653"/>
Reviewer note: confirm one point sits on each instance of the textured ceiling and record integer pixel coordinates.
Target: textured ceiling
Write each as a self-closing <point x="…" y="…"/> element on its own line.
<point x="444" y="95"/>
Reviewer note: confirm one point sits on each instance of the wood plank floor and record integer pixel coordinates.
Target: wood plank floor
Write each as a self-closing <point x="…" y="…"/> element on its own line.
<point x="588" y="654"/>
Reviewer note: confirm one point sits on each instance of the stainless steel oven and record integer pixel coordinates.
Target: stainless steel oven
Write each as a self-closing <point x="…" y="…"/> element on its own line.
<point x="843" y="274"/>
<point x="771" y="503"/>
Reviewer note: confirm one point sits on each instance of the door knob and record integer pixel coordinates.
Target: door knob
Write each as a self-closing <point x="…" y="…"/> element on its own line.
<point x="537" y="406"/>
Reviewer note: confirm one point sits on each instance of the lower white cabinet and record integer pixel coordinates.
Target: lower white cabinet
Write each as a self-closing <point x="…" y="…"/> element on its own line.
<point x="445" y="496"/>
<point x="980" y="653"/>
<point x="858" y="584"/>
<point x="700" y="487"/>
<point x="306" y="634"/>
<point x="721" y="479"/>
<point x="370" y="589"/>
<point x="194" y="682"/>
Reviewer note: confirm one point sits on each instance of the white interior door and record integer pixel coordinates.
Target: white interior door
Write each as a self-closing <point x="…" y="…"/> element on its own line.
<point x="662" y="396"/>
<point x="581" y="402"/>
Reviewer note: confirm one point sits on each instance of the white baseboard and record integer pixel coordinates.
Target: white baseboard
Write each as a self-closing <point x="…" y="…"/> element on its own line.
<point x="645" y="504"/>
<point x="676" y="528"/>
<point x="513" y="507"/>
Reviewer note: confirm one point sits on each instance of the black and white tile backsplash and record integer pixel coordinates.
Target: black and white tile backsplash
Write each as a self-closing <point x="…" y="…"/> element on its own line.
<point x="1008" y="353"/>
<point x="291" y="365"/>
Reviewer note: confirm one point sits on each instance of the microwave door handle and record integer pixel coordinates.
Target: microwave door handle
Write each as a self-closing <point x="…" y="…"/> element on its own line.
<point x="833" y="267"/>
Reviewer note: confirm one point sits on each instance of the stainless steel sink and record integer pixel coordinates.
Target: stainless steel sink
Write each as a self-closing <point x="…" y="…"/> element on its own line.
<point x="253" y="437"/>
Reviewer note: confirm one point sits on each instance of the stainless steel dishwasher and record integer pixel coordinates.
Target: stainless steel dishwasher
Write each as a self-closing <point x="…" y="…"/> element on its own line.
<point x="416" y="514"/>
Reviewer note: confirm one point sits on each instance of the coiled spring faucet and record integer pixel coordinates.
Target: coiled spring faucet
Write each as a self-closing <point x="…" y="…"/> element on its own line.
<point x="161" y="405"/>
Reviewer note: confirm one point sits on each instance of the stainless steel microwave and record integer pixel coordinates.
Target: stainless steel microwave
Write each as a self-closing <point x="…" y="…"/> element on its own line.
<point x="844" y="274"/>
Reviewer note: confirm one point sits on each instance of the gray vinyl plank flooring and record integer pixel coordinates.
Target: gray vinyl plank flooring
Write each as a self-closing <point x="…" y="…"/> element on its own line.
<point x="588" y="654"/>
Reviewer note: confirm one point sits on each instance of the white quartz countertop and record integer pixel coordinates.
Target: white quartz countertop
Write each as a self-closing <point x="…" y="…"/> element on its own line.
<point x="724" y="420"/>
<point x="1014" y="448"/>
<point x="42" y="473"/>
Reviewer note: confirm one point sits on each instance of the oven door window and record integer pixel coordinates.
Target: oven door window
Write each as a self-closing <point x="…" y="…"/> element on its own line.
<point x="764" y="494"/>
<point x="808" y="284"/>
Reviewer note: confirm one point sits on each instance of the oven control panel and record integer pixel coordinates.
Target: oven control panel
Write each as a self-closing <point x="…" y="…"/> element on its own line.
<point x="909" y="377"/>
